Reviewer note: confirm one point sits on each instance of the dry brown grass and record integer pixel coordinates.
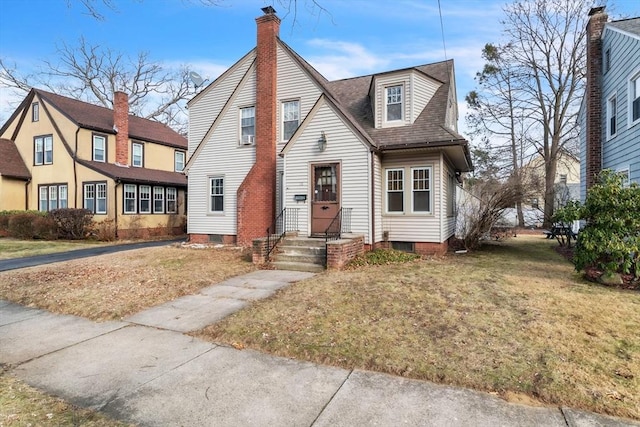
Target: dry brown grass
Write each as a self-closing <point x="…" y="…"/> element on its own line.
<point x="22" y="405"/>
<point x="513" y="318"/>
<point x="114" y="286"/>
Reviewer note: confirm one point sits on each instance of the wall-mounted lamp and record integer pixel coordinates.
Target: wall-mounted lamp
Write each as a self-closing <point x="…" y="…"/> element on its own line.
<point x="322" y="142"/>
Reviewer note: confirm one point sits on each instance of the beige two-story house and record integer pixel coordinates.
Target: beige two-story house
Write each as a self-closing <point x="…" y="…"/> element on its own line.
<point x="59" y="152"/>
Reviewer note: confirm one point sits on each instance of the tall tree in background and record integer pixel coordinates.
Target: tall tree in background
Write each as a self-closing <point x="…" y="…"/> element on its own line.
<point x="500" y="118"/>
<point x="545" y="56"/>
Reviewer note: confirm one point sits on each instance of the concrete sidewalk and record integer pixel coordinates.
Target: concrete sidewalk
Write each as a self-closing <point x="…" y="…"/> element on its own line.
<point x="144" y="370"/>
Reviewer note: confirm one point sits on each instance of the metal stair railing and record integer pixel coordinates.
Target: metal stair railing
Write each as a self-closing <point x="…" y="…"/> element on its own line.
<point x="287" y="220"/>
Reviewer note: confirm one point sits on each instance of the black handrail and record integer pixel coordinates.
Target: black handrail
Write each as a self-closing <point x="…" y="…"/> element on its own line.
<point x="284" y="222"/>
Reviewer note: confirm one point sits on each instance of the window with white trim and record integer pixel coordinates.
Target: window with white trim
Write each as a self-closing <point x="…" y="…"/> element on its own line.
<point x="393" y="103"/>
<point x="145" y="199"/>
<point x="421" y="189"/>
<point x="634" y="99"/>
<point x="130" y="198"/>
<point x="43" y="150"/>
<point x="290" y="118"/>
<point x="612" y="112"/>
<point x="395" y="190"/>
<point x="52" y="196"/>
<point x="35" y="112"/>
<point x="158" y="199"/>
<point x="99" y="148"/>
<point x="172" y="200"/>
<point x="216" y="203"/>
<point x="137" y="155"/>
<point x="247" y="125"/>
<point x="95" y="197"/>
<point x="624" y="174"/>
<point x="178" y="161"/>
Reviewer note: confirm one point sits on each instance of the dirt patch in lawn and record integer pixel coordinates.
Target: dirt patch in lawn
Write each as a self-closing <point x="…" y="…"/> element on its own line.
<point x="513" y="319"/>
<point x="110" y="287"/>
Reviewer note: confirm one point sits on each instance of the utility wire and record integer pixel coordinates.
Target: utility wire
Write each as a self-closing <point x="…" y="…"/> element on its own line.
<point x="444" y="45"/>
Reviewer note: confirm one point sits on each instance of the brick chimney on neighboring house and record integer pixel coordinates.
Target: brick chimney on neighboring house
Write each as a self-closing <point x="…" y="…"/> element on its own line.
<point x="256" y="194"/>
<point x="593" y="94"/>
<point x="121" y="126"/>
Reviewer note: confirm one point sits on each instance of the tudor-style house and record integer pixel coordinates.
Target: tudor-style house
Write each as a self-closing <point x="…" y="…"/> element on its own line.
<point x="59" y="152"/>
<point x="609" y="117"/>
<point x="271" y="135"/>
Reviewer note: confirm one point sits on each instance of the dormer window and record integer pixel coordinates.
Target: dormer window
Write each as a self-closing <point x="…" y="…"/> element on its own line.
<point x="394" y="99"/>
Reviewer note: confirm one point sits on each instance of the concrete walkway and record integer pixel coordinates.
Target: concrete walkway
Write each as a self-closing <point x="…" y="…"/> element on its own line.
<point x="144" y="370"/>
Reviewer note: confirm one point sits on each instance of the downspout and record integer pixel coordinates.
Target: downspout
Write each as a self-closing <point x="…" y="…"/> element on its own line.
<point x="373" y="201"/>
<point x="75" y="172"/>
<point x="115" y="199"/>
<point x="26" y="195"/>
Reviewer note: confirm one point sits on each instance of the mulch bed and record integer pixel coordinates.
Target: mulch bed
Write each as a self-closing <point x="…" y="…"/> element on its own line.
<point x="593" y="274"/>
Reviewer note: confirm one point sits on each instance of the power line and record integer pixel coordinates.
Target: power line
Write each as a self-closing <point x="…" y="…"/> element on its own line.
<point x="444" y="45"/>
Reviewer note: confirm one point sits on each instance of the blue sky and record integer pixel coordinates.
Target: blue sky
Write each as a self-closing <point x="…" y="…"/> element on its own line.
<point x="355" y="37"/>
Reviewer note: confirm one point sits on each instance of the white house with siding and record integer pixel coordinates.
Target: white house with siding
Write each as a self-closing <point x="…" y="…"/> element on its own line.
<point x="380" y="151"/>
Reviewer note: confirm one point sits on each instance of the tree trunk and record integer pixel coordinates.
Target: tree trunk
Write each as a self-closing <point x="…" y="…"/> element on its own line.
<point x="551" y="165"/>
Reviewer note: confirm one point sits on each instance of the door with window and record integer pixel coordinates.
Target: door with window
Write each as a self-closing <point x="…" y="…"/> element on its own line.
<point x="325" y="201"/>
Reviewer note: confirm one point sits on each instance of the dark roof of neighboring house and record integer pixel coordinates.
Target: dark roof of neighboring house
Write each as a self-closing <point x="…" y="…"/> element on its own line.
<point x="11" y="163"/>
<point x="631" y="25"/>
<point x="137" y="175"/>
<point x="100" y="119"/>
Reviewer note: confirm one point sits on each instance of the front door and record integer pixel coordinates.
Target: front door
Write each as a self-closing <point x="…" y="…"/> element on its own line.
<point x="325" y="202"/>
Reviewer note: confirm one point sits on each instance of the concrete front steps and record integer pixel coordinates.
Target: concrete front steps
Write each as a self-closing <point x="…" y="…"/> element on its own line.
<point x="300" y="254"/>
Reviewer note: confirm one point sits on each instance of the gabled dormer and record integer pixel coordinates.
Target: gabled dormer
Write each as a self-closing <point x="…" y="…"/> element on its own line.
<point x="398" y="97"/>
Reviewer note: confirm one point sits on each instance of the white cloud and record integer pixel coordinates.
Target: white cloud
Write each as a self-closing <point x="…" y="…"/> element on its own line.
<point x="340" y="59"/>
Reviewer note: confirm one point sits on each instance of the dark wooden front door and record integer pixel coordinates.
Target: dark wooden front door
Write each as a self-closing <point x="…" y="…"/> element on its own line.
<point x="325" y="202"/>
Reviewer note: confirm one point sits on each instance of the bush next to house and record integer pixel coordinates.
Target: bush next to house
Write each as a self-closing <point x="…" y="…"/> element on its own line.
<point x="56" y="224"/>
<point x="610" y="240"/>
<point x="72" y="223"/>
<point x="23" y="224"/>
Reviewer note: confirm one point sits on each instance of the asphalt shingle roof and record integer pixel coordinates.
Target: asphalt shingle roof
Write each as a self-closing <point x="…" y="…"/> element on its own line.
<point x="138" y="175"/>
<point x="631" y="25"/>
<point x="11" y="163"/>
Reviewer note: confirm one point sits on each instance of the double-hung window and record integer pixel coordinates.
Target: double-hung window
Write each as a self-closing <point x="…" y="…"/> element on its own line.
<point x="137" y="155"/>
<point x="52" y="197"/>
<point x="145" y="199"/>
<point x="395" y="190"/>
<point x="95" y="197"/>
<point x="634" y="99"/>
<point x="99" y="148"/>
<point x="247" y="126"/>
<point x="178" y="161"/>
<point x="216" y="185"/>
<point x="612" y="113"/>
<point x="172" y="200"/>
<point x="290" y="118"/>
<point x="393" y="96"/>
<point x="421" y="189"/>
<point x="130" y="198"/>
<point x="158" y="199"/>
<point x="43" y="150"/>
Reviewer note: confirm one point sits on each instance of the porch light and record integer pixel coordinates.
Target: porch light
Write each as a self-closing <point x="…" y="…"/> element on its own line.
<point x="322" y="142"/>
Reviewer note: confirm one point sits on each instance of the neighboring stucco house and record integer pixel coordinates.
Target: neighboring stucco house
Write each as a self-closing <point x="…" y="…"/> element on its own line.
<point x="610" y="113"/>
<point x="271" y="133"/>
<point x="78" y="155"/>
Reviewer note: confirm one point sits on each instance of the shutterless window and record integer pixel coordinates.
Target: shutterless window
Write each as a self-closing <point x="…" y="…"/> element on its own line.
<point x="158" y="199"/>
<point x="607" y="60"/>
<point x="95" y="197"/>
<point x="52" y="197"/>
<point x="178" y="158"/>
<point x="394" y="103"/>
<point x="130" y="198"/>
<point x="99" y="148"/>
<point x="145" y="199"/>
<point x="172" y="198"/>
<point x="290" y="118"/>
<point x="612" y="111"/>
<point x="624" y="174"/>
<point x="634" y="98"/>
<point x="217" y="194"/>
<point x="395" y="190"/>
<point x="43" y="150"/>
<point x="247" y="125"/>
<point x="89" y="197"/>
<point x="137" y="153"/>
<point x="421" y="189"/>
<point x="101" y="198"/>
<point x="35" y="112"/>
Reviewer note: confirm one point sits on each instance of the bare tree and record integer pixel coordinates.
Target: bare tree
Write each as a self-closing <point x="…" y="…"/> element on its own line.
<point x="547" y="46"/>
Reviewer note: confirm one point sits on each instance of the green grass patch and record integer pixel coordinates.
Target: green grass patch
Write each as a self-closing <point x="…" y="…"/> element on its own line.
<point x="13" y="248"/>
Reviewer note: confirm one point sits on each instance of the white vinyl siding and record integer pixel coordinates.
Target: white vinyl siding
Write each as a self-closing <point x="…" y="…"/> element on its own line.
<point x="423" y="90"/>
<point x="343" y="147"/>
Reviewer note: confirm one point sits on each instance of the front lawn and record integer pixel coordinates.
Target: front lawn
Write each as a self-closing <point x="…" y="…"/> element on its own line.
<point x="513" y="318"/>
<point x="14" y="248"/>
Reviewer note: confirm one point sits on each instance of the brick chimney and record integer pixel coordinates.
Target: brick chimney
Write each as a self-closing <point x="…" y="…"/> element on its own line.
<point x="593" y="94"/>
<point x="256" y="194"/>
<point x="121" y="126"/>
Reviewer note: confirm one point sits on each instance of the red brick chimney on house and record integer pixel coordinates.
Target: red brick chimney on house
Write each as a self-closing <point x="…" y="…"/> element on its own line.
<point x="597" y="20"/>
<point x="256" y="194"/>
<point x="121" y="125"/>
